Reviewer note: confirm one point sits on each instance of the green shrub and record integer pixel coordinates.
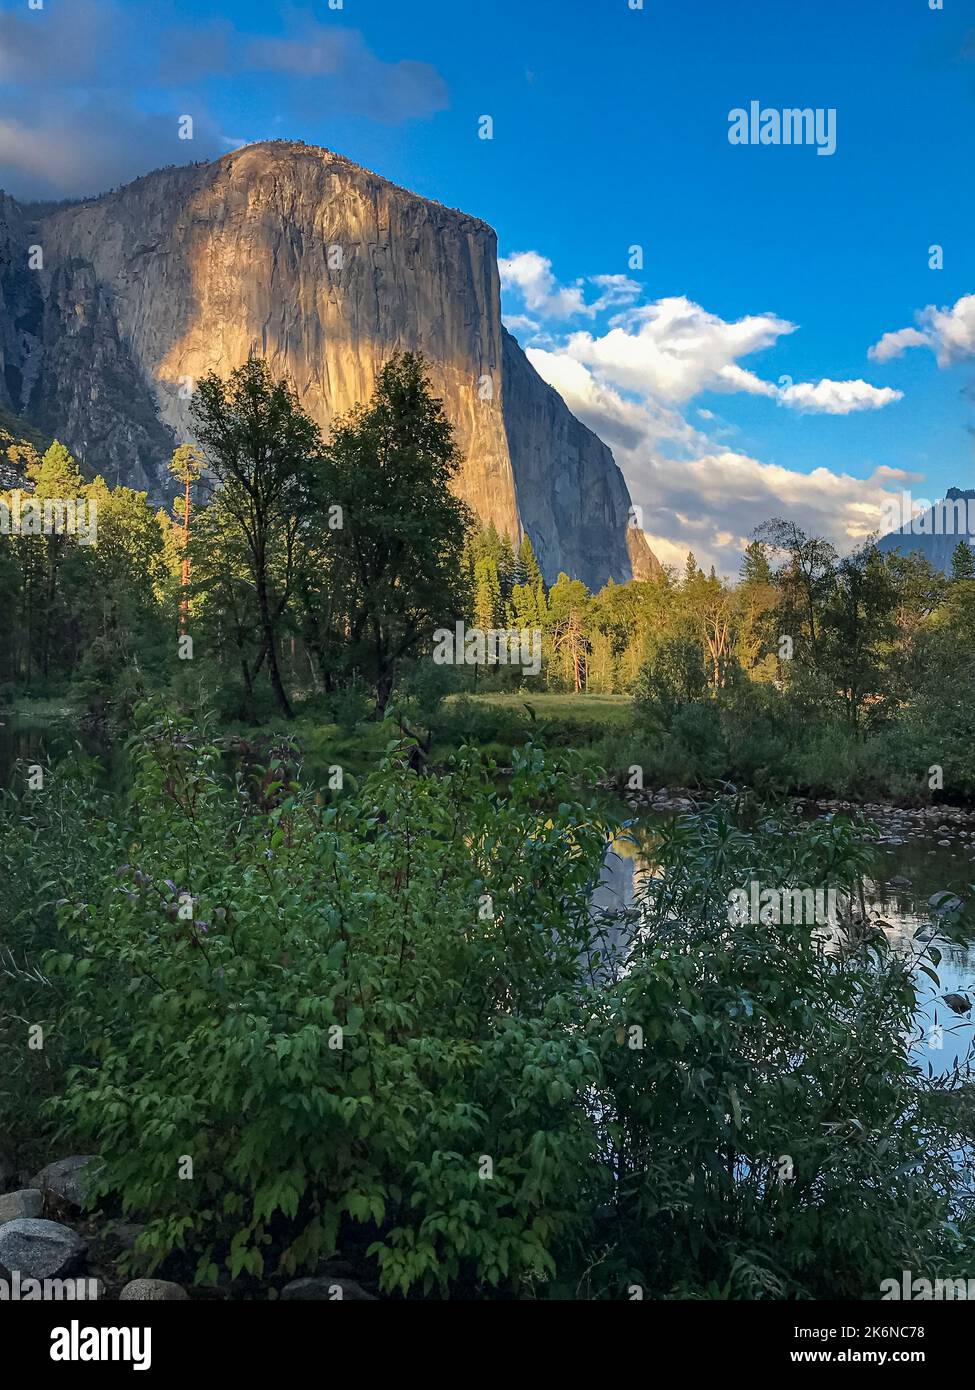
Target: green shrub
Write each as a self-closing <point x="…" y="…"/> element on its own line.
<point x="391" y="1027"/>
<point x="341" y="1015"/>
<point x="772" y="1135"/>
<point x="45" y="855"/>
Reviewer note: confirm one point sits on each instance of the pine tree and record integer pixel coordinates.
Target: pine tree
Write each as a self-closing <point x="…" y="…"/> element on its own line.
<point x="755" y="567"/>
<point x="56" y="480"/>
<point x="528" y="568"/>
<point x="963" y="561"/>
<point x="506" y="569"/>
<point x="487" y="594"/>
<point x="524" y="607"/>
<point x="492" y="543"/>
<point x="185" y="466"/>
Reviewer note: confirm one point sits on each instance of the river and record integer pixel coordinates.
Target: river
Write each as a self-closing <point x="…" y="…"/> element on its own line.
<point x="918" y="856"/>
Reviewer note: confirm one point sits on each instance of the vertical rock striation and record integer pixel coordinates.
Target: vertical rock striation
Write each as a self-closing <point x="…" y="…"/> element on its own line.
<point x="295" y="254"/>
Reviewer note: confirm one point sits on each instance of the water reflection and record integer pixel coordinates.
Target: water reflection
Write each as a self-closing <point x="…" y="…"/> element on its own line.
<point x="904" y="878"/>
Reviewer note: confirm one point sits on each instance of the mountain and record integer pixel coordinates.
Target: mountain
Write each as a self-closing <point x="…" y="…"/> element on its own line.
<point x="295" y="254"/>
<point x="937" y="530"/>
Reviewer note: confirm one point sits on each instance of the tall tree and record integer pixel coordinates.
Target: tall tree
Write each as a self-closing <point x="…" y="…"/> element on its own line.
<point x="488" y="598"/>
<point x="397" y="557"/>
<point x="858" y="624"/>
<point x="806" y="575"/>
<point x="263" y="449"/>
<point x="963" y="561"/>
<point x="528" y="570"/>
<point x="57" y="480"/>
<point x="185" y="466"/>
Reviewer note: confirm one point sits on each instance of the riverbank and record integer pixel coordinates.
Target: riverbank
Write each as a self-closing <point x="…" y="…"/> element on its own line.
<point x="610" y="739"/>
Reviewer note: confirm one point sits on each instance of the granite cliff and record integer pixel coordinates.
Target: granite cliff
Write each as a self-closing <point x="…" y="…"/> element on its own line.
<point x="111" y="308"/>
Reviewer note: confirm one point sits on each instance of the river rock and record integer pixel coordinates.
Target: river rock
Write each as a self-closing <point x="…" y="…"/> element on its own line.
<point x="152" y="1291"/>
<point x="15" y="1205"/>
<point x="327" y="1289"/>
<point x="65" y="1179"/>
<point x="40" y="1249"/>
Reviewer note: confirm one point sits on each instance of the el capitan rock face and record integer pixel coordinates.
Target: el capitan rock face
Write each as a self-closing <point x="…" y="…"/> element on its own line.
<point x="295" y="254"/>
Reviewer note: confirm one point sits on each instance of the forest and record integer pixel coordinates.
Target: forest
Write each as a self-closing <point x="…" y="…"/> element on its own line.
<point x="318" y="975"/>
<point x="298" y="577"/>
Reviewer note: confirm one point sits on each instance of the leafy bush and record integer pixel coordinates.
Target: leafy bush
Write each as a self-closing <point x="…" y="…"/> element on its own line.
<point x="463" y="720"/>
<point x="45" y="854"/>
<point x="392" y="1027"/>
<point x="771" y="1136"/>
<point x="351" y="704"/>
<point x="343" y="1016"/>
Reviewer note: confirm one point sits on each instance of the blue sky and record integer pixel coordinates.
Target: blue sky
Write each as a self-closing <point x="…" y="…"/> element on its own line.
<point x="611" y="130"/>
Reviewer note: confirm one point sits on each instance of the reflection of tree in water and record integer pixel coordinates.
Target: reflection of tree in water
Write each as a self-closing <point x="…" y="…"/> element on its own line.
<point x="905" y="911"/>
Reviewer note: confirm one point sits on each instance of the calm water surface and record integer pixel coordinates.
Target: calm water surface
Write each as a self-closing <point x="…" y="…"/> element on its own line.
<point x="929" y="867"/>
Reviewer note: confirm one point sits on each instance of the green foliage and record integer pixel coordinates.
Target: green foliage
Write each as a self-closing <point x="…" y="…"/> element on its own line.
<point x="264" y="451"/>
<point x="393" y="1027"/>
<point x="396" y="562"/>
<point x="45" y="855"/>
<point x="215" y="1036"/>
<point x="772" y="1136"/>
<point x="963" y="561"/>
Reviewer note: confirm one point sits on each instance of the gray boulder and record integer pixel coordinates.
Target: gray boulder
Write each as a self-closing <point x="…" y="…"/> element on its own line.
<point x="65" y="1179"/>
<point x="40" y="1249"/>
<point x="152" y="1291"/>
<point x="14" y="1205"/>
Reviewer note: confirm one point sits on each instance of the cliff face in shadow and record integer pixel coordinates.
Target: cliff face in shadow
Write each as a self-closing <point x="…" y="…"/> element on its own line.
<point x="297" y="255"/>
<point x="936" y="531"/>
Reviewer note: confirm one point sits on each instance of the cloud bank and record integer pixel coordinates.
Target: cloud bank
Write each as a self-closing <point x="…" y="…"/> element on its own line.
<point x="69" y="122"/>
<point x="632" y="383"/>
<point x="948" y="333"/>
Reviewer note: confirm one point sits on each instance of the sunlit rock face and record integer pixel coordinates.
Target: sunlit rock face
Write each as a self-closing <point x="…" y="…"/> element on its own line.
<point x="295" y="254"/>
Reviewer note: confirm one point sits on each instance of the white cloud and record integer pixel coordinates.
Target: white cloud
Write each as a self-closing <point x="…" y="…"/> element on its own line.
<point x="531" y="274"/>
<point x="631" y="384"/>
<point x="949" y="333"/>
<point x="616" y="290"/>
<point x="713" y="503"/>
<point x="711" y="498"/>
<point x="895" y="344"/>
<point x="673" y="348"/>
<point x="669" y="351"/>
<point x="625" y="425"/>
<point x="838" y="397"/>
<point x="521" y="323"/>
